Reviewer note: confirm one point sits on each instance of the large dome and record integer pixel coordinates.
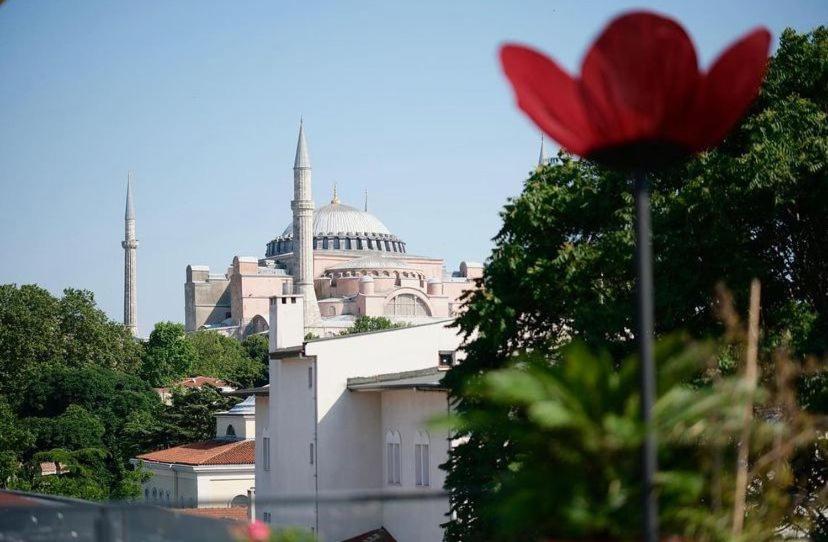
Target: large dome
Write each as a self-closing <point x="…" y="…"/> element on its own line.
<point x="338" y="218"/>
<point x="337" y="226"/>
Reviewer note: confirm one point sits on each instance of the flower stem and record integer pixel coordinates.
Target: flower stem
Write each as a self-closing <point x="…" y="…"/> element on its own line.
<point x="644" y="288"/>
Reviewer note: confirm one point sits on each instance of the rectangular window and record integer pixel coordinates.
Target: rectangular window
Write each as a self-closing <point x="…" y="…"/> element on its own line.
<point x="393" y="463"/>
<point x="418" y="460"/>
<point x="397" y="463"/>
<point x="445" y="358"/>
<point x="311" y="453"/>
<point x="310" y="377"/>
<point x="421" y="475"/>
<point x="266" y="517"/>
<point x="266" y="453"/>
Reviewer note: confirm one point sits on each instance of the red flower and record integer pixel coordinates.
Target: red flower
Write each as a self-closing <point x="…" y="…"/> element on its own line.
<point x="258" y="532"/>
<point x="641" y="100"/>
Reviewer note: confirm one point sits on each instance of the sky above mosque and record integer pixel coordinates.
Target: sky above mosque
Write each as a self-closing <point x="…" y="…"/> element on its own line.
<point x="202" y="101"/>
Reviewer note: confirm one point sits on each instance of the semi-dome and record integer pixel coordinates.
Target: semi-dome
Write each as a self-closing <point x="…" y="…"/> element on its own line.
<point x="337" y="226"/>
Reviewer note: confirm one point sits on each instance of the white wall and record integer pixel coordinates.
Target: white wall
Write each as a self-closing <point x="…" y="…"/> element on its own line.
<point x="263" y="478"/>
<point x="182" y="481"/>
<point x="407" y="412"/>
<point x="292" y="427"/>
<point x="350" y="433"/>
<point x="243" y="424"/>
<point x="219" y="484"/>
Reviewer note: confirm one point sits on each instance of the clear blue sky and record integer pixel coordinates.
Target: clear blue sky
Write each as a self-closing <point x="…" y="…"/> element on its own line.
<point x="202" y="101"/>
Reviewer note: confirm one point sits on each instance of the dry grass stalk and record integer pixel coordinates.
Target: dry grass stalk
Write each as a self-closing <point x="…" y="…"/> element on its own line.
<point x="751" y="378"/>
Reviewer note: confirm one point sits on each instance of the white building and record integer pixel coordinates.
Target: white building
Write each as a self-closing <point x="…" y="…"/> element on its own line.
<point x="350" y="414"/>
<point x="214" y="474"/>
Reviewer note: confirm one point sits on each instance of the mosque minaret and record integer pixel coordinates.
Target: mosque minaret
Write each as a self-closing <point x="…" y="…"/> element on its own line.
<point x="302" y="206"/>
<point x="130" y="246"/>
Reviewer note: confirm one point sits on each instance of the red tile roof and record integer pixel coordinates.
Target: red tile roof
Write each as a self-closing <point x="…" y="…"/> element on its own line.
<point x="11" y="499"/>
<point x="236" y="513"/>
<point x="377" y="535"/>
<point x="212" y="452"/>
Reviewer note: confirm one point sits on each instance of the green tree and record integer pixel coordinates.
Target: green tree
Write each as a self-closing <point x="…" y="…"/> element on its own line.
<point x="190" y="417"/>
<point x="15" y="440"/>
<point x="108" y="397"/>
<point x="257" y="348"/>
<point x="364" y="324"/>
<point x="74" y="429"/>
<point x="168" y="355"/>
<point x="562" y="263"/>
<point x="83" y="473"/>
<point x="224" y="357"/>
<point x="39" y="330"/>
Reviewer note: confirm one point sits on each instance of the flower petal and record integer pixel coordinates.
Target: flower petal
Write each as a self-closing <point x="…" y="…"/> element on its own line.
<point x="549" y="96"/>
<point x="639" y="77"/>
<point x="729" y="88"/>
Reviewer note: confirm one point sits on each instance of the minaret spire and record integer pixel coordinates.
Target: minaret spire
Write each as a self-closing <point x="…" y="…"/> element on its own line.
<point x="543" y="158"/>
<point x="366" y="200"/>
<point x="130" y="246"/>
<point x="302" y="206"/>
<point x="335" y="198"/>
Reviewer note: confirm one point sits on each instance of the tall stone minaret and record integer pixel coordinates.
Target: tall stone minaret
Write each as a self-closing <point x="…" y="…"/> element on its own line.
<point x="302" y="206"/>
<point x="543" y="158"/>
<point x="130" y="245"/>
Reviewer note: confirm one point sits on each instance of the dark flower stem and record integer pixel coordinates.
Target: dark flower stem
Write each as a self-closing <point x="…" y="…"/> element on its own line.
<point x="644" y="290"/>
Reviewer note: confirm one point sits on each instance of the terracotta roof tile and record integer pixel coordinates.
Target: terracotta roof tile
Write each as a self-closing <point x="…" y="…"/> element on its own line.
<point x="212" y="452"/>
<point x="236" y="513"/>
<point x="377" y="535"/>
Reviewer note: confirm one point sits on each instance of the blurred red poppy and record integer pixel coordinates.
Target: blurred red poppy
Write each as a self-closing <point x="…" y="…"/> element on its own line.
<point x="641" y="101"/>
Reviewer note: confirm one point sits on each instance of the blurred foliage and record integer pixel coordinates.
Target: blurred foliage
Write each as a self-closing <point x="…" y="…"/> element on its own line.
<point x="574" y="433"/>
<point x="562" y="267"/>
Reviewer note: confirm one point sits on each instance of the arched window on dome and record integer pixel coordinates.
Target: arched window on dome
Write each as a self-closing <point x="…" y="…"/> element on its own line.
<point x="230" y="432"/>
<point x="336" y="243"/>
<point x="347" y="243"/>
<point x="406" y="305"/>
<point x="325" y="243"/>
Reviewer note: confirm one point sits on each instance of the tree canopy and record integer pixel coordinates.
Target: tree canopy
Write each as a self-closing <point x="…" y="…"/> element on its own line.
<point x="75" y="391"/>
<point x="562" y="264"/>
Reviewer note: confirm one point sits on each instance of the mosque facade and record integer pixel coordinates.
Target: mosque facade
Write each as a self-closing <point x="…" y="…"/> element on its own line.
<point x="343" y="261"/>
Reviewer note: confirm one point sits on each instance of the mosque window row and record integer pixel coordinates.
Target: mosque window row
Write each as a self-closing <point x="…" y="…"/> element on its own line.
<point x="284" y="245"/>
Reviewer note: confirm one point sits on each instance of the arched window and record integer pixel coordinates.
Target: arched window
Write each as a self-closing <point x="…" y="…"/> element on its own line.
<point x="154" y="495"/>
<point x="393" y="459"/>
<point x="146" y="494"/>
<point x="239" y="501"/>
<point x="421" y="459"/>
<point x="230" y="432"/>
<point x="406" y="305"/>
<point x="331" y="311"/>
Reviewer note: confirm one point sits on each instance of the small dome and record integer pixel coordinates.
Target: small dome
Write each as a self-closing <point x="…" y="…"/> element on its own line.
<point x="248" y="406"/>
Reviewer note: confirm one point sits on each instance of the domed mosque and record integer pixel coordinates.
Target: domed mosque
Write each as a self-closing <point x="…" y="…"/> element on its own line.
<point x="344" y="261"/>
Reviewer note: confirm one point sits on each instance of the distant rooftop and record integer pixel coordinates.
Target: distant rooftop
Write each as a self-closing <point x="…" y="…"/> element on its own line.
<point x="211" y="452"/>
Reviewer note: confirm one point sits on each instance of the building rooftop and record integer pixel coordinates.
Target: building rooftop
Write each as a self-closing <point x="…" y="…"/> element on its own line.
<point x="211" y="452"/>
<point x="421" y="379"/>
<point x="234" y="513"/>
